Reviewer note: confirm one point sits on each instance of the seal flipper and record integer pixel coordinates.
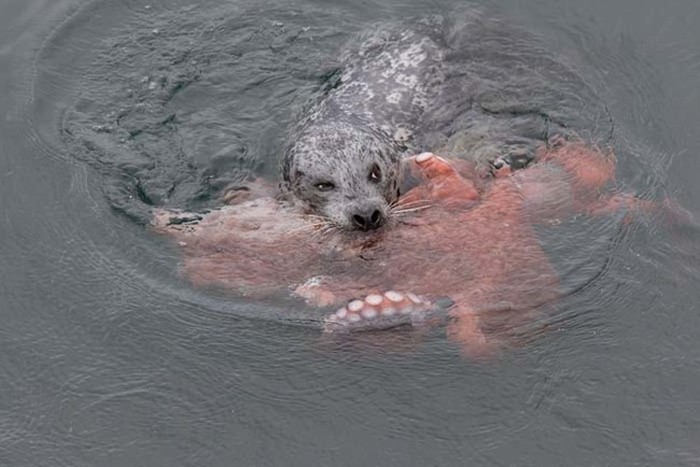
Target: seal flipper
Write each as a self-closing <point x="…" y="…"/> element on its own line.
<point x="515" y="158"/>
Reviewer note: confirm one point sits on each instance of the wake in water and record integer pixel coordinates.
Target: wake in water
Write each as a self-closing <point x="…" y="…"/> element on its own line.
<point x="181" y="109"/>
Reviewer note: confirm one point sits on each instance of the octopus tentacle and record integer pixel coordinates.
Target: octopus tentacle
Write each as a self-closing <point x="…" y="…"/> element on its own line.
<point x="441" y="182"/>
<point x="380" y="311"/>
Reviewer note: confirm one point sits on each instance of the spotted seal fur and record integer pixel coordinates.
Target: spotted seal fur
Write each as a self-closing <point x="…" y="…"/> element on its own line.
<point x="344" y="157"/>
<point x="422" y="85"/>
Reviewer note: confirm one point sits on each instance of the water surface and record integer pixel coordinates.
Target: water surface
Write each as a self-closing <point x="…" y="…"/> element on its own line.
<point x="109" y="358"/>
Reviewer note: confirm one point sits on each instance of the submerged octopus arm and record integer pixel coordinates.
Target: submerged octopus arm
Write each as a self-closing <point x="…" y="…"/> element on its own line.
<point x="453" y="237"/>
<point x="573" y="177"/>
<point x="570" y="177"/>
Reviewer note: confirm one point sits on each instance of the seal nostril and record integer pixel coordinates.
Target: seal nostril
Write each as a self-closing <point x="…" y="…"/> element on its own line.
<point x="375" y="217"/>
<point x="360" y="221"/>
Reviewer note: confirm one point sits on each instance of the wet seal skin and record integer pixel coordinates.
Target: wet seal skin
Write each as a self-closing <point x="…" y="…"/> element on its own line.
<point x="426" y="85"/>
<point x="343" y="160"/>
<point x="453" y="239"/>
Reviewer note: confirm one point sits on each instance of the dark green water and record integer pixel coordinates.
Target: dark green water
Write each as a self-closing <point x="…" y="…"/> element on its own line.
<point x="108" y="358"/>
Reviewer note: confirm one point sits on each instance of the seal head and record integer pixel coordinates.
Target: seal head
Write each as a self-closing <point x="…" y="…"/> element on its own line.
<point x="347" y="173"/>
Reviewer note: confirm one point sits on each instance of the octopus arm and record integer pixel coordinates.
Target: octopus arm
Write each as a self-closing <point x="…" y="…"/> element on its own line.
<point x="591" y="172"/>
<point x="378" y="311"/>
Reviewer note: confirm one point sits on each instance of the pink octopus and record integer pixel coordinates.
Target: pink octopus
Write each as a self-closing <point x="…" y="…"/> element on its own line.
<point x="458" y="234"/>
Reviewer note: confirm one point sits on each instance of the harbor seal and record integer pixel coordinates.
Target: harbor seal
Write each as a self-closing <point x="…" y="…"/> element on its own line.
<point x="466" y="86"/>
<point x="344" y="157"/>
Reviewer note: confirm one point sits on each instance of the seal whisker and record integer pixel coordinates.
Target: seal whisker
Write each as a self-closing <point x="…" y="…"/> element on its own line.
<point x="402" y="201"/>
<point x="303" y="228"/>
<point x="324" y="228"/>
<point x="404" y="211"/>
<point x="400" y="209"/>
<point x="410" y="204"/>
<point x="314" y="217"/>
<point x="325" y="232"/>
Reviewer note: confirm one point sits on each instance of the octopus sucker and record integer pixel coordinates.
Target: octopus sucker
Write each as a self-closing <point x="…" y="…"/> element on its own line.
<point x="378" y="312"/>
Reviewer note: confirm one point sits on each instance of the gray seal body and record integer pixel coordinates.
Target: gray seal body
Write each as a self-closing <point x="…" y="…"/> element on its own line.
<point x="468" y="86"/>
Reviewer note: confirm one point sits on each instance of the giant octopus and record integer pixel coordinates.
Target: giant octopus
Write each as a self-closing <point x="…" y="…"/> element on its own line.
<point x="461" y="237"/>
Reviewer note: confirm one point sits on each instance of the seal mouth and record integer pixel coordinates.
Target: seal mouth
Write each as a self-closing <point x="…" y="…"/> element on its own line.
<point x="351" y="234"/>
<point x="364" y="244"/>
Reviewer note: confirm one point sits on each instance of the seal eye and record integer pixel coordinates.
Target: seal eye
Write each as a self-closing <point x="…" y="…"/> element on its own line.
<point x="324" y="186"/>
<point x="375" y="174"/>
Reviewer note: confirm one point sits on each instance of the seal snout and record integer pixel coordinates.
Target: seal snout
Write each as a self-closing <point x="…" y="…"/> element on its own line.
<point x="367" y="219"/>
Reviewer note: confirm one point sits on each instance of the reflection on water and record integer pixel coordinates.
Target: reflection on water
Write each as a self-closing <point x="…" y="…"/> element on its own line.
<point x="109" y="358"/>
